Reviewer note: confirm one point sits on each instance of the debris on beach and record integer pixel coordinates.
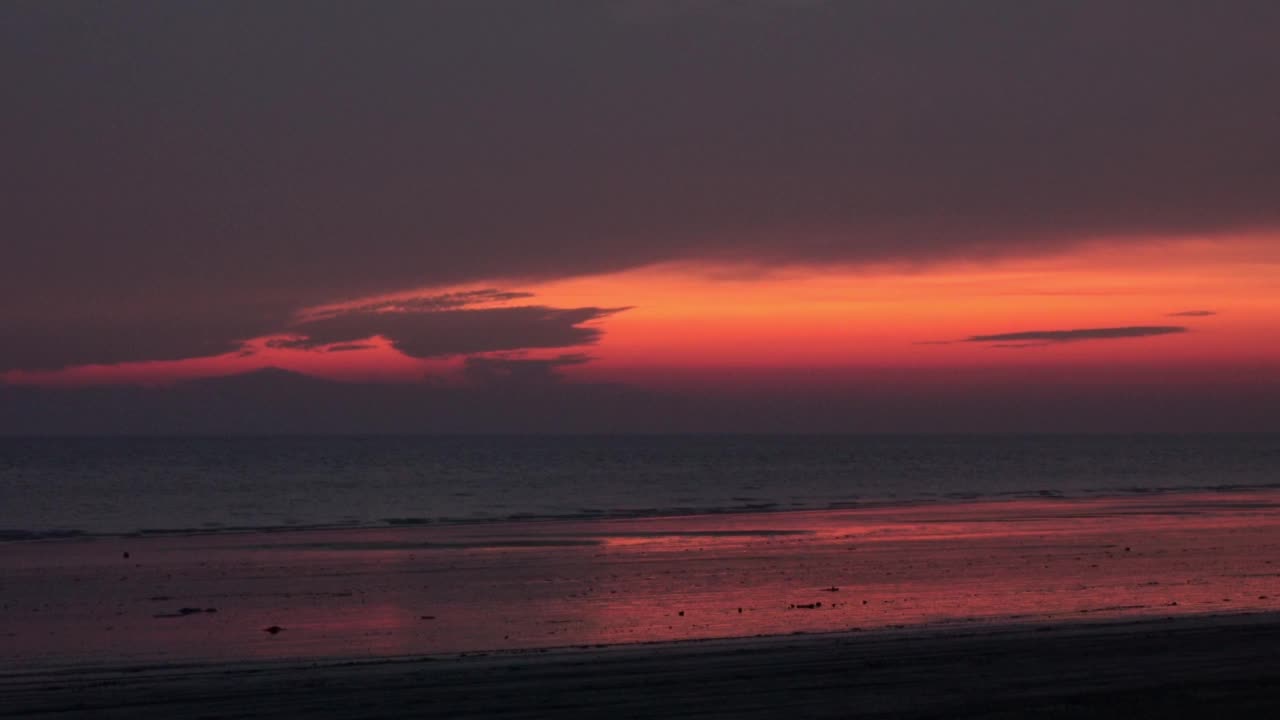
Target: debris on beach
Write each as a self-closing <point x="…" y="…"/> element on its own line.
<point x="185" y="612"/>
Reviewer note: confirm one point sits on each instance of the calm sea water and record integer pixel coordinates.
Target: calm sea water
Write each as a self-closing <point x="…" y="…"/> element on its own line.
<point x="93" y="486"/>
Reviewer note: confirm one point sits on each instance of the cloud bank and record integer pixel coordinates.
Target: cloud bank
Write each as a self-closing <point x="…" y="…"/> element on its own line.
<point x="423" y="328"/>
<point x="427" y="326"/>
<point x="182" y="177"/>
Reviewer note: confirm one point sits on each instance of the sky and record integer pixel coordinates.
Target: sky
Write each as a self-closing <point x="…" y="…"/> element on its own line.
<point x="639" y="215"/>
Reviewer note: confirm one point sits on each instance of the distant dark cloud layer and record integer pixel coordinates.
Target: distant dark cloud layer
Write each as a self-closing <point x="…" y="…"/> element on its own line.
<point x="520" y="396"/>
<point x="179" y="176"/>
<point x="519" y="373"/>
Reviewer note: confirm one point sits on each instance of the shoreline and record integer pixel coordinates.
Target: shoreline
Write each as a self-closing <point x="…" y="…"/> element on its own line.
<point x="1189" y="666"/>
<point x="23" y="536"/>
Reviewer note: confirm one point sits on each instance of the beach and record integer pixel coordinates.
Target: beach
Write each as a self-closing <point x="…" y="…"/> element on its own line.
<point x="703" y="600"/>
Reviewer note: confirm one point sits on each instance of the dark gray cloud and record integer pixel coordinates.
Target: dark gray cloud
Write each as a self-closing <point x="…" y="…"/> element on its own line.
<point x="1193" y="313"/>
<point x="1034" y="337"/>
<point x="436" y="333"/>
<point x="270" y="156"/>
<point x="419" y="326"/>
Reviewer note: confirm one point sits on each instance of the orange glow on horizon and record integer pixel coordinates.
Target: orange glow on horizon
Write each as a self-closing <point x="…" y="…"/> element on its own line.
<point x="686" y="320"/>
<point x="879" y="318"/>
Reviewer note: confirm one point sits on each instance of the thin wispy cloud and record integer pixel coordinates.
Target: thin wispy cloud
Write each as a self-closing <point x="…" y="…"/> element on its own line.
<point x="1021" y="345"/>
<point x="1075" y="335"/>
<point x="1040" y="338"/>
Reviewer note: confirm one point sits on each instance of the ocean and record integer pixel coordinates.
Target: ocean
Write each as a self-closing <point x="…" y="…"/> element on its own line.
<point x="52" y="487"/>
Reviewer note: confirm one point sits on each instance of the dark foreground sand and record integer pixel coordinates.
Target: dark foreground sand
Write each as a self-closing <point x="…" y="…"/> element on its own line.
<point x="1217" y="666"/>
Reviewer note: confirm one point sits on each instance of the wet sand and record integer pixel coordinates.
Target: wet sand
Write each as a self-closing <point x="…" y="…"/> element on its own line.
<point x="183" y="619"/>
<point x="409" y="591"/>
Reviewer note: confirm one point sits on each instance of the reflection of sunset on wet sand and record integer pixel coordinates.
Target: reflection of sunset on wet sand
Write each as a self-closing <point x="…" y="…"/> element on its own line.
<point x="486" y="587"/>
